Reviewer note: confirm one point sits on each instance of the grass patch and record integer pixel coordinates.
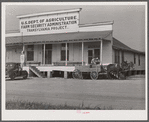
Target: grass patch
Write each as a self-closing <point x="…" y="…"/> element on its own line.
<point x="11" y="105"/>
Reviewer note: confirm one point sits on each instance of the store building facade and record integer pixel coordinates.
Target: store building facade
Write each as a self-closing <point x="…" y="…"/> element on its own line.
<point x="57" y="41"/>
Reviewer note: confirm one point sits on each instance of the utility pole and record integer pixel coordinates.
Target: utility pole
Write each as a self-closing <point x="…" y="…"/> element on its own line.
<point x="22" y="57"/>
<point x="22" y="42"/>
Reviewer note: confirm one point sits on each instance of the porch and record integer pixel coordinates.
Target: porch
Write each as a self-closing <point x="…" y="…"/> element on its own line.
<point x="62" y="48"/>
<point x="48" y="70"/>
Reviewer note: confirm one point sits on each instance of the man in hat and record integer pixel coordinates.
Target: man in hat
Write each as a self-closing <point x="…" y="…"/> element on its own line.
<point x="95" y="61"/>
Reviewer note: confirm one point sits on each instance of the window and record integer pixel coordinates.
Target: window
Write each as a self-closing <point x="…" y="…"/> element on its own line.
<point x="139" y="59"/>
<point x="134" y="58"/>
<point x="63" y="52"/>
<point x="122" y="56"/>
<point x="90" y="56"/>
<point x="117" y="56"/>
<point x="30" y="53"/>
<point x="48" y="46"/>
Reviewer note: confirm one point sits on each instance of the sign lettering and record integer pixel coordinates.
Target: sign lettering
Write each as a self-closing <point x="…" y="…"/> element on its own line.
<point x="62" y="23"/>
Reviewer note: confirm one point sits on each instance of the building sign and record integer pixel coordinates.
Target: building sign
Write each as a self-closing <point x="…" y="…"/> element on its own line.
<point x="49" y="24"/>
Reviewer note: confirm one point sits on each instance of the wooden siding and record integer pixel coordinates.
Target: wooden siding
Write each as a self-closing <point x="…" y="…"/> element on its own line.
<point x="107" y="52"/>
<point x="129" y="57"/>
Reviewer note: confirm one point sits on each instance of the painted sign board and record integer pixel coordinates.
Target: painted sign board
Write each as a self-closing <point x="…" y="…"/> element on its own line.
<point x="50" y="24"/>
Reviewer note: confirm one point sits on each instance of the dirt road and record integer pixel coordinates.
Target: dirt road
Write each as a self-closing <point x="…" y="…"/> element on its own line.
<point x="115" y="94"/>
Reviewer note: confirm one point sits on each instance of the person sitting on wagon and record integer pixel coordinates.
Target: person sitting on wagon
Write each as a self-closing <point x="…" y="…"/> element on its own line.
<point x="95" y="61"/>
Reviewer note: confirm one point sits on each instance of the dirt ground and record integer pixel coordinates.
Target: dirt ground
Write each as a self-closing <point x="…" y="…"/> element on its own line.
<point x="113" y="94"/>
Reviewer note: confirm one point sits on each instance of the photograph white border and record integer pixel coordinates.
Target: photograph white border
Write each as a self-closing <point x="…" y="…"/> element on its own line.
<point x="70" y="114"/>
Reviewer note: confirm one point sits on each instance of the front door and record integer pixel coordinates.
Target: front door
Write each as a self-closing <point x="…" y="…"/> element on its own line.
<point x="48" y="56"/>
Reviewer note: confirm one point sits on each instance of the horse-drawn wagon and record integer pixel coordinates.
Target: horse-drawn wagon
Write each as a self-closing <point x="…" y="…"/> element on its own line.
<point x="111" y="71"/>
<point x="92" y="70"/>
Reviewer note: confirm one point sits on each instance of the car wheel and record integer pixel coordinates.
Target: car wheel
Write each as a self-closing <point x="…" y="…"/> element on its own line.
<point x="25" y="76"/>
<point x="12" y="76"/>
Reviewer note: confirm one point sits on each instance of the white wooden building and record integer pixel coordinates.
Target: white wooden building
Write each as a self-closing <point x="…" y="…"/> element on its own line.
<point x="45" y="37"/>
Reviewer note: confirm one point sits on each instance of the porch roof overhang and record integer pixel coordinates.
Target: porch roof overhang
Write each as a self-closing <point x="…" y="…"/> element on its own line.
<point x="58" y="38"/>
<point x="129" y="50"/>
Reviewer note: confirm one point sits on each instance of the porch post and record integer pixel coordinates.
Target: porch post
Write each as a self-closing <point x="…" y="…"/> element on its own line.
<point x="66" y="55"/>
<point x="24" y="62"/>
<point x="22" y="41"/>
<point x="23" y="48"/>
<point x="44" y="55"/>
<point x="101" y="51"/>
<point x="65" y="72"/>
<point x="82" y="52"/>
<point x="24" y="55"/>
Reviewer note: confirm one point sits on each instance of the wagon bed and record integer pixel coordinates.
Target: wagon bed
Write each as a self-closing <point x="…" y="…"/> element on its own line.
<point x="89" y="68"/>
<point x="93" y="70"/>
<point x="111" y="71"/>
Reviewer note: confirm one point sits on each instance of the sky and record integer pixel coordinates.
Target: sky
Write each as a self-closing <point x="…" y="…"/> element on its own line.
<point x="128" y="27"/>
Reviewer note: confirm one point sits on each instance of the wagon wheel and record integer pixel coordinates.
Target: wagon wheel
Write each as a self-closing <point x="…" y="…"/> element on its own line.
<point x="94" y="75"/>
<point x="74" y="74"/>
<point x="113" y="74"/>
<point x="77" y="74"/>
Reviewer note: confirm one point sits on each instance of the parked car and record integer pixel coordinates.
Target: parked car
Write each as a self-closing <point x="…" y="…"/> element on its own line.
<point x="14" y="70"/>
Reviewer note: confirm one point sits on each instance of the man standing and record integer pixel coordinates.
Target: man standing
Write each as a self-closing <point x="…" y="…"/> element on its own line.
<point x="22" y="59"/>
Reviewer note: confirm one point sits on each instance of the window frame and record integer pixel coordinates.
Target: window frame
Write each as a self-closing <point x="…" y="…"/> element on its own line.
<point x="134" y="58"/>
<point x="122" y="56"/>
<point x="138" y="59"/>
<point x="63" y="51"/>
<point x="30" y="52"/>
<point x="117" y="56"/>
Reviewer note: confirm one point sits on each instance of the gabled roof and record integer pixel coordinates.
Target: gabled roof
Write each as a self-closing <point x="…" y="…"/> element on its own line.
<point x="121" y="46"/>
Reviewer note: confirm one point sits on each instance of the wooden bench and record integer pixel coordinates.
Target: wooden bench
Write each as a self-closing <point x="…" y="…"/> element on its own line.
<point x="33" y="63"/>
<point x="68" y="63"/>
